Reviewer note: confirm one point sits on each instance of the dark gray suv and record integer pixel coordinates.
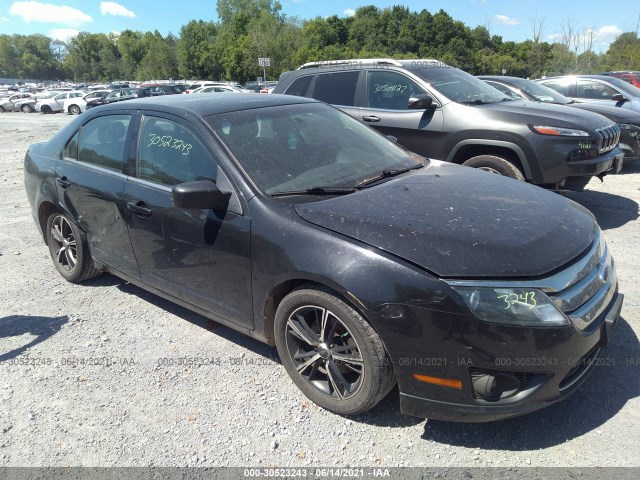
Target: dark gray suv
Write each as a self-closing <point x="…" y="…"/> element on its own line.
<point x="444" y="113"/>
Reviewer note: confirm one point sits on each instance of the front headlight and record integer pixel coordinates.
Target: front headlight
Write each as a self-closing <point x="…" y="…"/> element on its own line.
<point x="558" y="131"/>
<point x="513" y="306"/>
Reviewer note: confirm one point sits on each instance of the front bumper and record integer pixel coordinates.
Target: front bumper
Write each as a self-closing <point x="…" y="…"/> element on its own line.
<point x="563" y="368"/>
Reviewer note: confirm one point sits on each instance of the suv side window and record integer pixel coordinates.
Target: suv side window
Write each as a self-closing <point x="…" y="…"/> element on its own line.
<point x="595" y="90"/>
<point x="169" y="153"/>
<point x="102" y="141"/>
<point x="390" y="90"/>
<point x="300" y="86"/>
<point x="337" y="88"/>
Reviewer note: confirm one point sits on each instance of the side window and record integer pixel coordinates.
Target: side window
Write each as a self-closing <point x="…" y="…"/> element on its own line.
<point x="71" y="148"/>
<point x="560" y="87"/>
<point x="595" y="90"/>
<point x="300" y="86"/>
<point x="336" y="88"/>
<point x="390" y="90"/>
<point x="102" y="141"/>
<point x="506" y="90"/>
<point x="169" y="153"/>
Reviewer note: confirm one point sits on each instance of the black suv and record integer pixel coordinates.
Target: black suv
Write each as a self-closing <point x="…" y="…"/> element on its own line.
<point x="444" y="113"/>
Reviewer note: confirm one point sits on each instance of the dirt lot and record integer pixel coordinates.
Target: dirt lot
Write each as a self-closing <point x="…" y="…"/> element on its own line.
<point x="83" y="381"/>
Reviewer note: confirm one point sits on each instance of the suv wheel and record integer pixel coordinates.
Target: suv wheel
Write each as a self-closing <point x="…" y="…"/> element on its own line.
<point x="26" y="108"/>
<point x="74" y="110"/>
<point x="331" y="353"/>
<point x="495" y="164"/>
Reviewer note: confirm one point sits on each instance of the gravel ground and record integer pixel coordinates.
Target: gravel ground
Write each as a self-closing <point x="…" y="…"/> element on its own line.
<point x="57" y="409"/>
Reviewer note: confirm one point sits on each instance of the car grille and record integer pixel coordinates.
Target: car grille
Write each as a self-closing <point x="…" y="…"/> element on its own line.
<point x="589" y="286"/>
<point x="609" y="137"/>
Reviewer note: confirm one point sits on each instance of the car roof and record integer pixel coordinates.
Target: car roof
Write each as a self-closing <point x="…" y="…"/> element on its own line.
<point x="212" y="104"/>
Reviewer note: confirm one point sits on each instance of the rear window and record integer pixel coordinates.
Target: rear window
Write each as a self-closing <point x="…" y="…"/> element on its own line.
<point x="336" y="88"/>
<point x="300" y="86"/>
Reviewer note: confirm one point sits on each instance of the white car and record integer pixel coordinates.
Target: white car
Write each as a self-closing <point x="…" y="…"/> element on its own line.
<point x="56" y="104"/>
<point x="218" y="89"/>
<point x="7" y="103"/>
<point x="77" y="105"/>
<point x="194" y="86"/>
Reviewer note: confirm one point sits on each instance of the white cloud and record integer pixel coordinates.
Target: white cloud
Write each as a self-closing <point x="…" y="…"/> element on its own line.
<point x="4" y="20"/>
<point x="479" y="2"/>
<point x="503" y="19"/>
<point x="605" y="36"/>
<point x="63" y="34"/>
<point x="115" y="9"/>
<point x="48" y="13"/>
<point x="349" y="12"/>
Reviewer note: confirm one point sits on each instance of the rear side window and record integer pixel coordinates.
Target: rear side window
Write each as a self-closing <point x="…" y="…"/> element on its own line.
<point x="336" y="88"/>
<point x="300" y="86"/>
<point x="169" y="154"/>
<point x="103" y="140"/>
<point x="391" y="90"/>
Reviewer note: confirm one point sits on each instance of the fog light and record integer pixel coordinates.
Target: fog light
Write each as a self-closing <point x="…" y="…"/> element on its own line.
<point x="495" y="387"/>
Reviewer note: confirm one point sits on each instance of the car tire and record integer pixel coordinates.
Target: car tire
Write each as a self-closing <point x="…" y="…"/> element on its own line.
<point x="2" y="108"/>
<point x="350" y="385"/>
<point x="46" y="109"/>
<point x="495" y="164"/>
<point x="26" y="109"/>
<point x="74" y="110"/>
<point x="69" y="249"/>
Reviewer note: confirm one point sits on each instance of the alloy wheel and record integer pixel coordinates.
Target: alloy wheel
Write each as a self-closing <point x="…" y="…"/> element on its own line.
<point x="324" y="352"/>
<point x="64" y="242"/>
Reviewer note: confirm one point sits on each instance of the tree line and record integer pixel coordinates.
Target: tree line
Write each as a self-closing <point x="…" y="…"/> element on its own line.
<point x="248" y="29"/>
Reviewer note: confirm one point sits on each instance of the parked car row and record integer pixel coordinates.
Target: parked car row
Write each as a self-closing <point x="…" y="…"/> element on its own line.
<point x="444" y="113"/>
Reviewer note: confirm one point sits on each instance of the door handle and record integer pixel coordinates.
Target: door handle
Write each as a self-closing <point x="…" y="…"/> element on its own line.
<point x="371" y="118"/>
<point x="139" y="209"/>
<point x="63" y="182"/>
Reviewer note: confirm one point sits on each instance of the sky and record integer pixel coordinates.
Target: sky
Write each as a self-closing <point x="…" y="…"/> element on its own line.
<point x="511" y="19"/>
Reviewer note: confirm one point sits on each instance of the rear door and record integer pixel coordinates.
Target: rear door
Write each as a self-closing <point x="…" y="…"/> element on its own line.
<point x="90" y="181"/>
<point x="198" y="256"/>
<point x="387" y="96"/>
<point x="338" y="89"/>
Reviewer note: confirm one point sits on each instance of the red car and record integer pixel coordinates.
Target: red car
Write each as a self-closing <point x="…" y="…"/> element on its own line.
<point x="630" y="77"/>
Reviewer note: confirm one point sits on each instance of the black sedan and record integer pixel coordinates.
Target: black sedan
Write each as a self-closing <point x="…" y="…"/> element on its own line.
<point x="627" y="120"/>
<point x="365" y="265"/>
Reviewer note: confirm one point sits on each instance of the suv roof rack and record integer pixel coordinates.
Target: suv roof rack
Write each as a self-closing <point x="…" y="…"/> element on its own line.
<point x="351" y="61"/>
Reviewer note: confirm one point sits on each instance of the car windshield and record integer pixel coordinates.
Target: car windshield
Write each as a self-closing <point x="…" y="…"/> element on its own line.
<point x="540" y="92"/>
<point x="306" y="146"/>
<point x="459" y="86"/>
<point x="624" y="86"/>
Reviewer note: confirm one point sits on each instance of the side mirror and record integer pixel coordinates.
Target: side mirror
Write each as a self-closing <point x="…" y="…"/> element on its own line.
<point x="421" y="101"/>
<point x="198" y="195"/>
<point x="618" y="97"/>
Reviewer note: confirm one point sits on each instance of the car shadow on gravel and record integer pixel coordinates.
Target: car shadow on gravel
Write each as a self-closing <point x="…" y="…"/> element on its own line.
<point x="611" y="211"/>
<point x="612" y="383"/>
<point x="41" y="328"/>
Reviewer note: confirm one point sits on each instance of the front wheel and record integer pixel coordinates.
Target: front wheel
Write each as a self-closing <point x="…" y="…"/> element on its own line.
<point x="26" y="109"/>
<point x="495" y="164"/>
<point x="331" y="353"/>
<point x="46" y="109"/>
<point x="69" y="250"/>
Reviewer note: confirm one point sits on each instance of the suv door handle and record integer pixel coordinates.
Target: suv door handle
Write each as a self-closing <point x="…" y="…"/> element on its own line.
<point x="63" y="182"/>
<point x="139" y="209"/>
<point x="371" y="118"/>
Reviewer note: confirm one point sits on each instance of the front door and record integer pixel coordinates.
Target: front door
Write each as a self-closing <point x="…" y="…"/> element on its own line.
<point x="199" y="256"/>
<point x="386" y="110"/>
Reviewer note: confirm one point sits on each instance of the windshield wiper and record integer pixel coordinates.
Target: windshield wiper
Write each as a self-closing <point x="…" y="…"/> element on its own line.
<point x="317" y="191"/>
<point x="388" y="174"/>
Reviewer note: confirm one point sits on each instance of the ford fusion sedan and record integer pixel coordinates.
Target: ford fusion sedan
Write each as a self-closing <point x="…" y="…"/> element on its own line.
<point x="365" y="265"/>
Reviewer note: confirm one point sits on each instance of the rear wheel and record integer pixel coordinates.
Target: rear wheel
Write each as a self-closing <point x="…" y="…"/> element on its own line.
<point x="74" y="110"/>
<point x="26" y="108"/>
<point x="331" y="353"/>
<point x="46" y="109"/>
<point x="69" y="250"/>
<point x="495" y="164"/>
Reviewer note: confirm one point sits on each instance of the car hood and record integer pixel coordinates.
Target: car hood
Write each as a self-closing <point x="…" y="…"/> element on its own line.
<point x="459" y="222"/>
<point x="615" y="114"/>
<point x="542" y="113"/>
